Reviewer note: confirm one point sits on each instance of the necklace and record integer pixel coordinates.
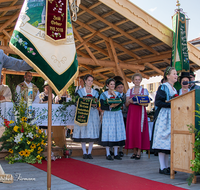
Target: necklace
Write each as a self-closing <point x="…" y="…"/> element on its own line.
<point x="185" y="89"/>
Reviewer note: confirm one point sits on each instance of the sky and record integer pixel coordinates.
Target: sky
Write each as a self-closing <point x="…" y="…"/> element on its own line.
<point x="163" y="10"/>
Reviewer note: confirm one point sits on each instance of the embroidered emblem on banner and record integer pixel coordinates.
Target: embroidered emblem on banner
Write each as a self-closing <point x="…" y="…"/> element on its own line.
<point x="43" y="37"/>
<point x="56" y="20"/>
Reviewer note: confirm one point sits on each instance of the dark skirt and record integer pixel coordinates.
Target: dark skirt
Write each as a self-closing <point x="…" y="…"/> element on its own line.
<point x="161" y="151"/>
<point x="86" y="140"/>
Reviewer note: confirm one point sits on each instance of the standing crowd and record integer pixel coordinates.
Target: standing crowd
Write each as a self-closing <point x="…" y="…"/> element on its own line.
<point x="117" y="121"/>
<point x="124" y="123"/>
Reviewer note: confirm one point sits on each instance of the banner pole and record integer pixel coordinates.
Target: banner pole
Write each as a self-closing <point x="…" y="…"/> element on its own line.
<point x="49" y="139"/>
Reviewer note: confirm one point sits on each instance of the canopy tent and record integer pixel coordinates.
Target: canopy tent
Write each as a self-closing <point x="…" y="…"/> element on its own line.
<point x="113" y="37"/>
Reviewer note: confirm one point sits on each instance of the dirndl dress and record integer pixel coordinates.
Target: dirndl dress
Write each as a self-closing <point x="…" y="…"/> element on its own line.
<point x="162" y="131"/>
<point x="137" y="132"/>
<point x="112" y="131"/>
<point x="90" y="132"/>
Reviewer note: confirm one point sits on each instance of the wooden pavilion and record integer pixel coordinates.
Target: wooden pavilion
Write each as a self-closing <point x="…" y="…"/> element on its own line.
<point x="113" y="37"/>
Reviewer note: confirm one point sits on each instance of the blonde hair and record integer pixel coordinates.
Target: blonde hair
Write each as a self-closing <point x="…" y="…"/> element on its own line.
<point x="136" y="75"/>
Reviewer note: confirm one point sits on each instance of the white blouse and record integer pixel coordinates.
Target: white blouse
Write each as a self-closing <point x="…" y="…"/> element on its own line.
<point x="145" y="91"/>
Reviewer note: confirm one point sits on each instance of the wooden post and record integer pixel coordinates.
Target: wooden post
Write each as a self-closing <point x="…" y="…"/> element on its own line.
<point x="4" y="78"/>
<point x="49" y="139"/>
<point x="119" y="69"/>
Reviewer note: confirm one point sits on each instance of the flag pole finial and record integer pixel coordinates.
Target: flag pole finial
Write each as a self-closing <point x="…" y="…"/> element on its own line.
<point x="178" y="4"/>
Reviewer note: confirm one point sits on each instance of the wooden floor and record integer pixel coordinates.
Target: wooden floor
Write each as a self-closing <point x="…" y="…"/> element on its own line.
<point x="147" y="168"/>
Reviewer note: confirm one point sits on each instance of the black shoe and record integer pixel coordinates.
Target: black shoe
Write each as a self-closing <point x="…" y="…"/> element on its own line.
<point x="138" y="157"/>
<point x="133" y="156"/>
<point x="164" y="171"/>
<point x="89" y="156"/>
<point x="111" y="153"/>
<point x="117" y="157"/>
<point x="155" y="153"/>
<point x="121" y="154"/>
<point x="85" y="156"/>
<point x="109" y="157"/>
<point x="169" y="170"/>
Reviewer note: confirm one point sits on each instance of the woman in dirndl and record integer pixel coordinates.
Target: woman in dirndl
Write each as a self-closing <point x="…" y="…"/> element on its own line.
<point x="112" y="133"/>
<point x="162" y="130"/>
<point x="90" y="132"/>
<point x="137" y="132"/>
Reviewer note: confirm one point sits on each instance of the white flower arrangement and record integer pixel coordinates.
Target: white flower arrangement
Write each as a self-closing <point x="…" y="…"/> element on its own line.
<point x="30" y="135"/>
<point x="18" y="137"/>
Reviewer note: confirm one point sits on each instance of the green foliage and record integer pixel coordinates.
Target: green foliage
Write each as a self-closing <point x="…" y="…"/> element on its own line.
<point x="196" y="162"/>
<point x="35" y="23"/>
<point x="35" y="14"/>
<point x="71" y="90"/>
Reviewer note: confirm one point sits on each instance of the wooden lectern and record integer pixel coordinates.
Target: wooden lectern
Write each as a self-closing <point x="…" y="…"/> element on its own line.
<point x="182" y="114"/>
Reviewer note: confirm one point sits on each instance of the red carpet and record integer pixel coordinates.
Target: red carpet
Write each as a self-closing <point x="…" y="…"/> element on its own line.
<point x="92" y="177"/>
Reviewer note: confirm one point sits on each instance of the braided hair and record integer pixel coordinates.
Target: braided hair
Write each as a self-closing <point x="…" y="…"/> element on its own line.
<point x="168" y="71"/>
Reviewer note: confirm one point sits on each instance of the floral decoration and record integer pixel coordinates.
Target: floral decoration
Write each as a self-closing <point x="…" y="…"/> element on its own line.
<point x="175" y="95"/>
<point x="23" y="43"/>
<point x="25" y="142"/>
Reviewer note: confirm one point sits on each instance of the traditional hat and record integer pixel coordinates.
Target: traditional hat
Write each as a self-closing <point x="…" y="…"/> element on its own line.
<point x="45" y="84"/>
<point x="118" y="83"/>
<point x="192" y="73"/>
<point x="183" y="75"/>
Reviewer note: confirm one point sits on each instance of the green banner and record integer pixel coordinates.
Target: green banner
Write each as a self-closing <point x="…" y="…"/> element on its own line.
<point x="47" y="43"/>
<point x="82" y="111"/>
<point x="180" y="59"/>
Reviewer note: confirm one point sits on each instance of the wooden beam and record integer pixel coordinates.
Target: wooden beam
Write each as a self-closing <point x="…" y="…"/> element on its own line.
<point x="11" y="8"/>
<point x="142" y="19"/>
<point x="85" y="41"/>
<point x="84" y="73"/>
<point x="106" y="39"/>
<point x="98" y="83"/>
<point x="154" y="68"/>
<point x="119" y="70"/>
<point x="82" y="54"/>
<point x="151" y="70"/>
<point x="143" y="75"/>
<point x="105" y="63"/>
<point x="94" y="46"/>
<point x="158" y="44"/>
<point x="6" y="34"/>
<point x="9" y="21"/>
<point x="150" y="59"/>
<point x="11" y="72"/>
<point x="95" y="20"/>
<point x="129" y="31"/>
<point x="5" y="18"/>
<point x="86" y="47"/>
<point x="102" y="69"/>
<point x="129" y="80"/>
<point x="86" y="67"/>
<point x="91" y="7"/>
<point x="127" y="51"/>
<point x="109" y="51"/>
<point x="97" y="48"/>
<point x="3" y="1"/>
<point x="102" y="76"/>
<point x="108" y="72"/>
<point x="119" y="30"/>
<point x="13" y="3"/>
